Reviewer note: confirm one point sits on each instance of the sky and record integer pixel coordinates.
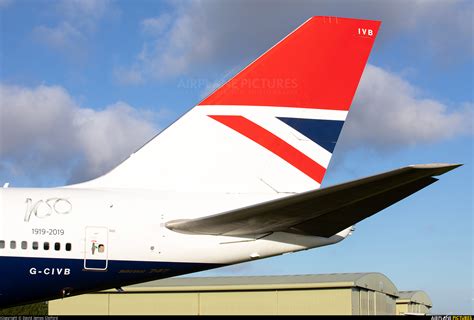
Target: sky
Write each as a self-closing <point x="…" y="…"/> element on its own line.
<point x="85" y="83"/>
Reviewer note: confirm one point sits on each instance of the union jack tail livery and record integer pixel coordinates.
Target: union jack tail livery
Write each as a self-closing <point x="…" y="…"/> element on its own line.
<point x="271" y="128"/>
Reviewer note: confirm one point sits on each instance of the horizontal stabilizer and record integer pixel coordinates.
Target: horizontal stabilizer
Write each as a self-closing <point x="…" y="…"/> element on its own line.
<point x="322" y="212"/>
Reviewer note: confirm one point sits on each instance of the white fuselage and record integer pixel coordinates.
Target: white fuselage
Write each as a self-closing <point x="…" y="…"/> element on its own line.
<point x="129" y="225"/>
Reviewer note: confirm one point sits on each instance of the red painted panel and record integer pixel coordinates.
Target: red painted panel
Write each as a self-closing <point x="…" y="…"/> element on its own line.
<point x="319" y="65"/>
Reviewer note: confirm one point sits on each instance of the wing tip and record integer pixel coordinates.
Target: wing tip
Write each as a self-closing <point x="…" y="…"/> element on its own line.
<point x="437" y="168"/>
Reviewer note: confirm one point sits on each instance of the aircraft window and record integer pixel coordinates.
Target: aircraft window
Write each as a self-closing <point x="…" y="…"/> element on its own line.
<point x="35" y="245"/>
<point x="68" y="247"/>
<point x="57" y="246"/>
<point x="12" y="244"/>
<point x="2" y="244"/>
<point x="24" y="245"/>
<point x="46" y="246"/>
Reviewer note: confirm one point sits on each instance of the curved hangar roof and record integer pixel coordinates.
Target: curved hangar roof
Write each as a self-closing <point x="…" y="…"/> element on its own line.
<point x="371" y="281"/>
<point x="417" y="296"/>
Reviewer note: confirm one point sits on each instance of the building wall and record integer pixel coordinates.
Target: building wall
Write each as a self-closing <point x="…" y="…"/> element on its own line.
<point x="238" y="303"/>
<point x="423" y="309"/>
<point x="88" y="304"/>
<point x="169" y="303"/>
<point x="402" y="308"/>
<point x="368" y="302"/>
<point x="268" y="302"/>
<point x="411" y="307"/>
<point x="385" y="304"/>
<point x="315" y="302"/>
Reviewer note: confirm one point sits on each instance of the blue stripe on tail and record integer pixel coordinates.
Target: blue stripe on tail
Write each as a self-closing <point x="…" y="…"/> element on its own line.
<point x="323" y="132"/>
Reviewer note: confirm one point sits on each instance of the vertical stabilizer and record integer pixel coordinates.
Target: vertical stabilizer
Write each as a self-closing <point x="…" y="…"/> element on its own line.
<point x="272" y="127"/>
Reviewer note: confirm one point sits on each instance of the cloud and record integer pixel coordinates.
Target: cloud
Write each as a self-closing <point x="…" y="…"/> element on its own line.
<point x="389" y="113"/>
<point x="77" y="22"/>
<point x="62" y="37"/>
<point x="157" y="25"/>
<point x="128" y="76"/>
<point x="45" y="132"/>
<point x="213" y="34"/>
<point x="83" y="11"/>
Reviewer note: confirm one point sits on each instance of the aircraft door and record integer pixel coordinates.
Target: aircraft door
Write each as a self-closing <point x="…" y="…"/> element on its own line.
<point x="96" y="248"/>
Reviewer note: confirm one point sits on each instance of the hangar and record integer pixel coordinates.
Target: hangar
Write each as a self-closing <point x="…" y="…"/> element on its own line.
<point x="323" y="294"/>
<point x="413" y="302"/>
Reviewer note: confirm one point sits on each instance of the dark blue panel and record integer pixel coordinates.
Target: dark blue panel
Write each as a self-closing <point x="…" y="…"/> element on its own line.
<point x="25" y="279"/>
<point x="95" y="264"/>
<point x="323" y="132"/>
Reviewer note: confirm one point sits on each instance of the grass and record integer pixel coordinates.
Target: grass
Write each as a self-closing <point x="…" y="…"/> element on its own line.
<point x="35" y="309"/>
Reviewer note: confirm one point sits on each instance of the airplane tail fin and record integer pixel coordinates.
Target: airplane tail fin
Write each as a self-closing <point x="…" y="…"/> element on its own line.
<point x="272" y="127"/>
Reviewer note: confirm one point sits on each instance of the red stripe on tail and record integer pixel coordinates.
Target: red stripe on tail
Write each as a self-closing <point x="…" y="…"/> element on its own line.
<point x="274" y="144"/>
<point x="319" y="65"/>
